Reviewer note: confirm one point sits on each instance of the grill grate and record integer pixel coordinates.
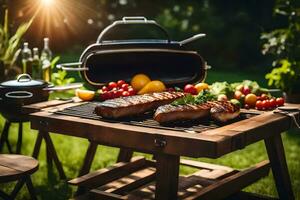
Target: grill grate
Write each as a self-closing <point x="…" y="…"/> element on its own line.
<point x="86" y="110"/>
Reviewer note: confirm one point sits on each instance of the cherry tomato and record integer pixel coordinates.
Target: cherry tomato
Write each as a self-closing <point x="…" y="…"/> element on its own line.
<point x="125" y="86"/>
<point x="247" y="106"/>
<point x="131" y="91"/>
<point x="272" y="103"/>
<point x="112" y="85"/>
<point x="264" y="97"/>
<point x="104" y="89"/>
<point x="109" y="95"/>
<point x="246" y="90"/>
<point x="115" y="94"/>
<point x="104" y="95"/>
<point x="280" y="101"/>
<point x="120" y="83"/>
<point x="266" y="104"/>
<point x="125" y="94"/>
<point x="120" y="92"/>
<point x="171" y="90"/>
<point x="259" y="105"/>
<point x="189" y="88"/>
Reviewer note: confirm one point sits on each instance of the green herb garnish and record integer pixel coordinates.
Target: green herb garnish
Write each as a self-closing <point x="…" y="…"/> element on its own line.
<point x="202" y="97"/>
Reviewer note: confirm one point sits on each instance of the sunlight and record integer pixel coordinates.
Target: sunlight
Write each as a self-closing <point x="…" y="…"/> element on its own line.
<point x="47" y="2"/>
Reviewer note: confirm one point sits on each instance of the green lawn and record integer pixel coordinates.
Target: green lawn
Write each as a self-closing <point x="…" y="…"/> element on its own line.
<point x="72" y="150"/>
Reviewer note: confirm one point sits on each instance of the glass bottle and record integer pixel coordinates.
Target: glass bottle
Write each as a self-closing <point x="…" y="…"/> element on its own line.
<point x="36" y="65"/>
<point x="46" y="57"/>
<point x="26" y="59"/>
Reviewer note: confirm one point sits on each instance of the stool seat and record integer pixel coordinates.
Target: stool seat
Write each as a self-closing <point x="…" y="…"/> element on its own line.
<point x="12" y="167"/>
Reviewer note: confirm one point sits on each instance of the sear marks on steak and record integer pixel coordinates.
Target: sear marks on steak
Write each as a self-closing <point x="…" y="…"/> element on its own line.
<point x="170" y="113"/>
<point x="135" y="105"/>
<point x="219" y="110"/>
<point x="224" y="111"/>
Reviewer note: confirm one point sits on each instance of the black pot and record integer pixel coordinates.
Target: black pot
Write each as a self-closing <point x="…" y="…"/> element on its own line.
<point x="16" y="93"/>
<point x="112" y="58"/>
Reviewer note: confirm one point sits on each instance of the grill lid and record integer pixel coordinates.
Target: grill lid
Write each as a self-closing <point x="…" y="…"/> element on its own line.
<point x="113" y="58"/>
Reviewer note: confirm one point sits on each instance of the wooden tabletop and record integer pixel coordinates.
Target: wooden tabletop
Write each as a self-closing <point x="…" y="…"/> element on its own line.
<point x="212" y="143"/>
<point x="13" y="167"/>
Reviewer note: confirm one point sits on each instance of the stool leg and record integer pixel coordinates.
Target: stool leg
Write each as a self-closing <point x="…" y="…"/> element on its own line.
<point x="4" y="196"/>
<point x="20" y="135"/>
<point x="17" y="188"/>
<point x="4" y="134"/>
<point x="30" y="188"/>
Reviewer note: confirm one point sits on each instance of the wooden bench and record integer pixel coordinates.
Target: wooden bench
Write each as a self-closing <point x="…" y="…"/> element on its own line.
<point x="17" y="168"/>
<point x="136" y="180"/>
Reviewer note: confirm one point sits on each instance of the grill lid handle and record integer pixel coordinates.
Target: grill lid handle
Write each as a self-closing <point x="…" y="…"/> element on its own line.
<point x="138" y="20"/>
<point x="71" y="66"/>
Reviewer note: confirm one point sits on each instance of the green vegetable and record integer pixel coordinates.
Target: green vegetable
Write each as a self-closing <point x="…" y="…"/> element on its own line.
<point x="236" y="102"/>
<point x="202" y="97"/>
<point x="218" y="88"/>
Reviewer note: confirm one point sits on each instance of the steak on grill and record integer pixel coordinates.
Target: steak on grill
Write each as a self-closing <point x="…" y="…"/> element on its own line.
<point x="135" y="105"/>
<point x="219" y="110"/>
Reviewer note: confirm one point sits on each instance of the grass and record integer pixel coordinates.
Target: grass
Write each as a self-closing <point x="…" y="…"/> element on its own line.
<point x="71" y="152"/>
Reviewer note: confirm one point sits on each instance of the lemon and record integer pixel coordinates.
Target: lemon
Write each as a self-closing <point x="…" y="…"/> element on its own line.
<point x="153" y="86"/>
<point x="85" y="95"/>
<point x="201" y="86"/>
<point x="139" y="81"/>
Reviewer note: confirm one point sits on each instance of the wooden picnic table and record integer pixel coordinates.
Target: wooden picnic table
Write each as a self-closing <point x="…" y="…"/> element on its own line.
<point x="168" y="145"/>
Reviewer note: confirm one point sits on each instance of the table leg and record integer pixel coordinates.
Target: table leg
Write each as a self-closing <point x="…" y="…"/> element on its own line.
<point x="20" y="135"/>
<point x="167" y="174"/>
<point x="37" y="145"/>
<point x="53" y="154"/>
<point x="277" y="159"/>
<point x="125" y="155"/>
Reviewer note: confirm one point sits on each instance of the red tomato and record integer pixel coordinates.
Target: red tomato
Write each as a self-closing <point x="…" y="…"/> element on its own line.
<point x="120" y="92"/>
<point x="280" y="101"/>
<point x="259" y="105"/>
<point x="104" y="89"/>
<point x="112" y="85"/>
<point x="108" y="95"/>
<point x="115" y="94"/>
<point x="189" y="88"/>
<point x="125" y="86"/>
<point x="272" y="103"/>
<point x="247" y="106"/>
<point x="171" y="90"/>
<point x="266" y="104"/>
<point x="246" y="90"/>
<point x="104" y="95"/>
<point x="120" y="83"/>
<point x="131" y="91"/>
<point x="264" y="97"/>
<point x="125" y="94"/>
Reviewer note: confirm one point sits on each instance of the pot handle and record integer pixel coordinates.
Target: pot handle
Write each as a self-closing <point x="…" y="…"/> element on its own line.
<point x="75" y="66"/>
<point x="24" y="78"/>
<point x="19" y="95"/>
<point x="139" y="20"/>
<point x="192" y="39"/>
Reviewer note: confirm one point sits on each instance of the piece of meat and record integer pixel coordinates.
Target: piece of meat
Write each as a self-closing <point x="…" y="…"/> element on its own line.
<point x="135" y="105"/>
<point x="219" y="110"/>
<point x="224" y="111"/>
<point x="170" y="113"/>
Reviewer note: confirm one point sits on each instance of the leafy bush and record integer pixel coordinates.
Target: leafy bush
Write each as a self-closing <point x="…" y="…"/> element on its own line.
<point x="284" y="45"/>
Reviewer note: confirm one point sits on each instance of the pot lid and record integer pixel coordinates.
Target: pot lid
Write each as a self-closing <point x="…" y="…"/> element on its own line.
<point x="23" y="80"/>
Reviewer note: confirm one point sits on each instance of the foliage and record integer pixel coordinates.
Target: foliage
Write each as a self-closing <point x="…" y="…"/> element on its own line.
<point x="10" y="44"/>
<point x="202" y="97"/>
<point x="59" y="77"/>
<point x="284" y="45"/>
<point x="218" y="88"/>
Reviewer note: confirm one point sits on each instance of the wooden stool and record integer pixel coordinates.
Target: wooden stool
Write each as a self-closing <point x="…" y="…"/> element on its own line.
<point x="5" y="133"/>
<point x="17" y="168"/>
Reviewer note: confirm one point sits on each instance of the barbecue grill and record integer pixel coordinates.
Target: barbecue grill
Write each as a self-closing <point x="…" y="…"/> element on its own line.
<point x="131" y="178"/>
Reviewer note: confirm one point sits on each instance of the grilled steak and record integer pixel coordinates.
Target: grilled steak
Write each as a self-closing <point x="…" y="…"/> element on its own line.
<point x="135" y="105"/>
<point x="224" y="111"/>
<point x="219" y="110"/>
<point x="170" y="113"/>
